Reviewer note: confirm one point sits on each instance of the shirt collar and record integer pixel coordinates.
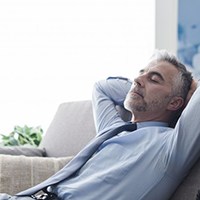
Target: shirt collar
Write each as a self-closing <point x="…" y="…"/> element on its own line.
<point x="151" y="123"/>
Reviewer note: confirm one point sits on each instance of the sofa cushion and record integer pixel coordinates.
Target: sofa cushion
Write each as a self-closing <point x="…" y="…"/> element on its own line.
<point x="22" y="150"/>
<point x="70" y="130"/>
<point x="18" y="173"/>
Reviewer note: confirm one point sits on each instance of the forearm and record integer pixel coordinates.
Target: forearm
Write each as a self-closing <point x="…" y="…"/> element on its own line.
<point x="106" y="95"/>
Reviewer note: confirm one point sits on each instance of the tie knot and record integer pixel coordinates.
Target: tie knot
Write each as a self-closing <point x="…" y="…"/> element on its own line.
<point x="130" y="126"/>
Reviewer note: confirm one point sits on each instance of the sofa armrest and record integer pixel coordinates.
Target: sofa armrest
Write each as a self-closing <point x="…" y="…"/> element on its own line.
<point x="23" y="150"/>
<point x="18" y="173"/>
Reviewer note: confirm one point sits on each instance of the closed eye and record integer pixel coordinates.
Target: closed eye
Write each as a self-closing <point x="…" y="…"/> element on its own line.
<point x="155" y="81"/>
<point x="155" y="77"/>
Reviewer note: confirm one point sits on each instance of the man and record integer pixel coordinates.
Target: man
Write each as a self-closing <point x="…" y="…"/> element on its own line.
<point x="143" y="164"/>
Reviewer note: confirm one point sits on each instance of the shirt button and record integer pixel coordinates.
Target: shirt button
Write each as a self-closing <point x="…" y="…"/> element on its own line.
<point x="49" y="189"/>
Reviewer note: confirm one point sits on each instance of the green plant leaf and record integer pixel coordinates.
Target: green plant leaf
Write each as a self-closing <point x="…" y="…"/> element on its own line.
<point x="23" y="136"/>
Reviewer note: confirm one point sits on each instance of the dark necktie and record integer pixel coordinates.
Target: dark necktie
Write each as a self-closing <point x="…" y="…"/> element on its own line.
<point x="79" y="160"/>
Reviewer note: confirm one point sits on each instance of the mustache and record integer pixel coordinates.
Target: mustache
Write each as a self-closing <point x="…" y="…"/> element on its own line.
<point x="137" y="91"/>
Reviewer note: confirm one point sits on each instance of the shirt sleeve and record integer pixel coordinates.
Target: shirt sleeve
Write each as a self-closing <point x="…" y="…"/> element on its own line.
<point x="185" y="142"/>
<point x="106" y="95"/>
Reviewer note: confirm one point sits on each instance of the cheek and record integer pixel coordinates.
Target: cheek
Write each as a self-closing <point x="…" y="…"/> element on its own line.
<point x="156" y="96"/>
<point x="159" y="100"/>
<point x="157" y="91"/>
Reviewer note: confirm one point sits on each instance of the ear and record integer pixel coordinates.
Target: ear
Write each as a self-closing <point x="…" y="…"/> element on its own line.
<point x="175" y="103"/>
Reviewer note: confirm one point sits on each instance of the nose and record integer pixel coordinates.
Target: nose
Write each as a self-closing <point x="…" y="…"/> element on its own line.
<point x="139" y="80"/>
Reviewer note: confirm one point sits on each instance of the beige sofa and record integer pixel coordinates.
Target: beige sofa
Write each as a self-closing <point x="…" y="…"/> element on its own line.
<point x="71" y="129"/>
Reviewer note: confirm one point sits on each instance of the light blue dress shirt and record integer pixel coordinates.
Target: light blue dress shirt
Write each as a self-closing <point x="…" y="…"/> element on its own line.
<point x="146" y="164"/>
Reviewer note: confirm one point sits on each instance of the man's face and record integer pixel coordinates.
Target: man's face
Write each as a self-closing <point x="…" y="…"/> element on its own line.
<point x="151" y="91"/>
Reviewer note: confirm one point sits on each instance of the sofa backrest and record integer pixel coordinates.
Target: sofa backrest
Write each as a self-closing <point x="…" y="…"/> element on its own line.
<point x="70" y="130"/>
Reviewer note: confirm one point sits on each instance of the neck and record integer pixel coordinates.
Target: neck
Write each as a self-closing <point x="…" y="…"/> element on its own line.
<point x="145" y="117"/>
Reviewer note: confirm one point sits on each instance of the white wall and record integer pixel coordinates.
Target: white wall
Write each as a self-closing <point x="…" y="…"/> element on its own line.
<point x="166" y="25"/>
<point x="53" y="51"/>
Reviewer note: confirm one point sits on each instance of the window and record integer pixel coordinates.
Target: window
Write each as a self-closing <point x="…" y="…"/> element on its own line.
<point x="52" y="51"/>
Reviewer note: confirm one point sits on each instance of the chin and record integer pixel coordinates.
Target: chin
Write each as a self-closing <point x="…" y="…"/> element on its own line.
<point x="128" y="105"/>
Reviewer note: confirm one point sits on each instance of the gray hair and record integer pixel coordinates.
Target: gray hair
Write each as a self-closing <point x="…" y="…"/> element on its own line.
<point x="181" y="84"/>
